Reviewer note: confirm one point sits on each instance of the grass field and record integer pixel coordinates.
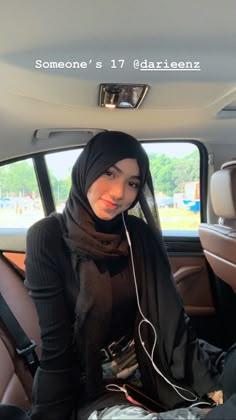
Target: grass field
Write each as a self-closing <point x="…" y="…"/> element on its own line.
<point x="171" y="219"/>
<point x="179" y="219"/>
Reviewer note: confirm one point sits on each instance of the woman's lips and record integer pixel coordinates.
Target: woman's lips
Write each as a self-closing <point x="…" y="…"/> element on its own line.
<point x="110" y="204"/>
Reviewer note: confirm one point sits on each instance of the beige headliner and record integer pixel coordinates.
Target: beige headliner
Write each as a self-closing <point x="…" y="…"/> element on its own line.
<point x="178" y="105"/>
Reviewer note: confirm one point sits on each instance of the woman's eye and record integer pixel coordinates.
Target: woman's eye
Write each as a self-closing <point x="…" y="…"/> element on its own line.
<point x="108" y="173"/>
<point x="134" y="185"/>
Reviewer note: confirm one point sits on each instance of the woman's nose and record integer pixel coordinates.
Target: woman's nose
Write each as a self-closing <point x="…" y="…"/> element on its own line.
<point x="117" y="191"/>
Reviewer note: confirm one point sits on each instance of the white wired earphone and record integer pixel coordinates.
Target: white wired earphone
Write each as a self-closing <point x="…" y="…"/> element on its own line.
<point x="177" y="388"/>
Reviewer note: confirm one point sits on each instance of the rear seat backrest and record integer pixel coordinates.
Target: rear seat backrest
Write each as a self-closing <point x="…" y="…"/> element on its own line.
<point x="219" y="240"/>
<point x="15" y="378"/>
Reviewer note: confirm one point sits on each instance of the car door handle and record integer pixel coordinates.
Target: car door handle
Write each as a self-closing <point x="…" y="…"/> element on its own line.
<point x="184" y="272"/>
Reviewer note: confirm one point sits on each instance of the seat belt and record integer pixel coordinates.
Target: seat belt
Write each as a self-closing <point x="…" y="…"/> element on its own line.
<point x="24" y="346"/>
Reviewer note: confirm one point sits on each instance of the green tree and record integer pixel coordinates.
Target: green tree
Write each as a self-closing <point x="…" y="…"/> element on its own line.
<point x="171" y="174"/>
<point x="60" y="187"/>
<point x="187" y="169"/>
<point x="18" y="178"/>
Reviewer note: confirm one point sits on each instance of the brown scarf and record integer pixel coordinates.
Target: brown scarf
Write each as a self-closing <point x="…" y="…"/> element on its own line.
<point x="92" y="253"/>
<point x="94" y="244"/>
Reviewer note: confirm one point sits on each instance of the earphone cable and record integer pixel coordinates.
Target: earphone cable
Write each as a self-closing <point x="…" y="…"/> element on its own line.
<point x="177" y="388"/>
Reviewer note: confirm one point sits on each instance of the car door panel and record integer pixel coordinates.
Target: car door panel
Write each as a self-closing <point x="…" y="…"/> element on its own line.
<point x="192" y="280"/>
<point x="191" y="273"/>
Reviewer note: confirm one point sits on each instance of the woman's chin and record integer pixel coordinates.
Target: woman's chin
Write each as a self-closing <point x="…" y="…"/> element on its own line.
<point x="107" y="215"/>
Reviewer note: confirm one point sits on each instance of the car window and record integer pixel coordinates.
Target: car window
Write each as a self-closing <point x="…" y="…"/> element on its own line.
<point x="59" y="169"/>
<point x="20" y="202"/>
<point x="175" y="169"/>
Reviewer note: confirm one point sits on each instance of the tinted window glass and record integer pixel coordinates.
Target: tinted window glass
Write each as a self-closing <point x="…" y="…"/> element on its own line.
<point x="59" y="167"/>
<point x="20" y="203"/>
<point x="175" y="169"/>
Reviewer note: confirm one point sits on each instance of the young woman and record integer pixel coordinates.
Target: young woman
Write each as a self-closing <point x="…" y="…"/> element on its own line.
<point x="102" y="285"/>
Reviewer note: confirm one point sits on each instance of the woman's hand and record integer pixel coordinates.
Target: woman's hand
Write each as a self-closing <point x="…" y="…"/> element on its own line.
<point x="216" y="396"/>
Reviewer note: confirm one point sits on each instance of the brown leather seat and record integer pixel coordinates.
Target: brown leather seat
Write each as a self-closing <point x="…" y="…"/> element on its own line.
<point x="219" y="240"/>
<point x="15" y="379"/>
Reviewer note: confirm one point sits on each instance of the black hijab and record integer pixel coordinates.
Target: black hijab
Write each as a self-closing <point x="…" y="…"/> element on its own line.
<point x="102" y="151"/>
<point x="87" y="235"/>
<point x="227" y="410"/>
<point x="94" y="244"/>
<point x="229" y="376"/>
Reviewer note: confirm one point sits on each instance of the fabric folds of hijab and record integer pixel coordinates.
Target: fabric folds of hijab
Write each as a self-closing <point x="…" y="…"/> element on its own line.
<point x="92" y="241"/>
<point x="87" y="234"/>
<point x="229" y="377"/>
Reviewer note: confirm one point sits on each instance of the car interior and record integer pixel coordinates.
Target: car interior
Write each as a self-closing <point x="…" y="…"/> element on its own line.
<point x="161" y="71"/>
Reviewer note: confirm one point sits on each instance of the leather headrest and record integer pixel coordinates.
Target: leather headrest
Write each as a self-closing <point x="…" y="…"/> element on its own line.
<point x="223" y="191"/>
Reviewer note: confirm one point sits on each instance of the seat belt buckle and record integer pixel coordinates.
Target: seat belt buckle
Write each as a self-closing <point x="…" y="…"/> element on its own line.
<point x="28" y="352"/>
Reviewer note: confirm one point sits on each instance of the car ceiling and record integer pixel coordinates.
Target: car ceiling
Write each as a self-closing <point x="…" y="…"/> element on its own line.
<point x="178" y="105"/>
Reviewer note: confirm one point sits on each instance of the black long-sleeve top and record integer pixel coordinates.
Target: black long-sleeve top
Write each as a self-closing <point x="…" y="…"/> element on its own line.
<point x="52" y="284"/>
<point x="179" y="354"/>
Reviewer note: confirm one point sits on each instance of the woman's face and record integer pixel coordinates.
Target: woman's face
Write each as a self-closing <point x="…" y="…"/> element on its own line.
<point x="115" y="190"/>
